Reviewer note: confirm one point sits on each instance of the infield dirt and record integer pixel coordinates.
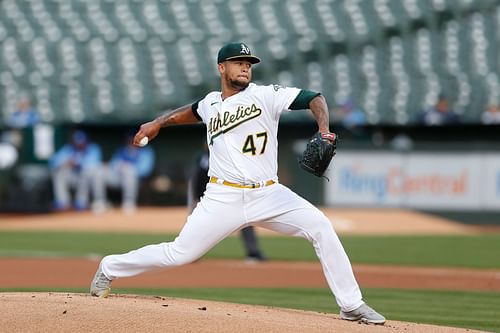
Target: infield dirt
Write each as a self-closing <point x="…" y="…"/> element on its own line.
<point x="58" y="312"/>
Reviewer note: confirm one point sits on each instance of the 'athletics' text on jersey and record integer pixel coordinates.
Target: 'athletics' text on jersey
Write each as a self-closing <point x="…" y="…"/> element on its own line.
<point x="242" y="130"/>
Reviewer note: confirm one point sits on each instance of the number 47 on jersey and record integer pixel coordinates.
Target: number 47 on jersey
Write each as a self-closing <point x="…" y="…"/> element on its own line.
<point x="250" y="145"/>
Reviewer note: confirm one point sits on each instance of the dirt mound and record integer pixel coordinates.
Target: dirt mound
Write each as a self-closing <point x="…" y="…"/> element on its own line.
<point x="62" y="312"/>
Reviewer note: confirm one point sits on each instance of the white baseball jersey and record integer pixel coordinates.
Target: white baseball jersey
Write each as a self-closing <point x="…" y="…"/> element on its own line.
<point x="242" y="132"/>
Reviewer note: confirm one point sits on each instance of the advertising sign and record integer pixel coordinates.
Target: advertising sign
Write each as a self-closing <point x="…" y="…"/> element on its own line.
<point x="417" y="180"/>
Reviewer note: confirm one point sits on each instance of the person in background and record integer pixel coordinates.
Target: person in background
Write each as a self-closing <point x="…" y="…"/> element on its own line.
<point x="128" y="165"/>
<point x="25" y="115"/>
<point x="491" y="115"/>
<point x="198" y="180"/>
<point x="350" y="115"/>
<point x="75" y="165"/>
<point x="440" y="114"/>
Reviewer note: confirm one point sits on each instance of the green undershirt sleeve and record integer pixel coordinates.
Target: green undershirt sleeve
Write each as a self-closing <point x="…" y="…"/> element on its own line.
<point x="194" y="108"/>
<point x="303" y="99"/>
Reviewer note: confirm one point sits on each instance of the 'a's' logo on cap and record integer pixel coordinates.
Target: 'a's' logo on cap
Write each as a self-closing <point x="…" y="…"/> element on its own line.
<point x="244" y="49"/>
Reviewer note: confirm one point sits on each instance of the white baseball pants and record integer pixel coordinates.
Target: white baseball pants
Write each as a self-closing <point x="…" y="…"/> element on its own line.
<point x="124" y="177"/>
<point x="64" y="178"/>
<point x="224" y="210"/>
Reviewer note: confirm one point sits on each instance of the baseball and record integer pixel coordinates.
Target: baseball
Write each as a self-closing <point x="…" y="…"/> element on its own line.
<point x="144" y="141"/>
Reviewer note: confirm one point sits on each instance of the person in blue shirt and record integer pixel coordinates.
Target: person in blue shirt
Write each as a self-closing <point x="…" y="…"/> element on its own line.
<point x="350" y="115"/>
<point x="127" y="167"/>
<point x="440" y="114"/>
<point x="25" y="115"/>
<point x="75" y="165"/>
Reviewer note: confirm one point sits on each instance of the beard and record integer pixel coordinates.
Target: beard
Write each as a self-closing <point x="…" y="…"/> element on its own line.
<point x="238" y="84"/>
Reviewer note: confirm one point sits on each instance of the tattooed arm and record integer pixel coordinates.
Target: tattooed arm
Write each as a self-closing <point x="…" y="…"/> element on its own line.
<point x="320" y="111"/>
<point x="182" y="115"/>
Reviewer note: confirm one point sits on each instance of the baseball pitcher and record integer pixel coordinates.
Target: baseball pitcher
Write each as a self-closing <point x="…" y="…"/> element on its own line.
<point x="242" y="126"/>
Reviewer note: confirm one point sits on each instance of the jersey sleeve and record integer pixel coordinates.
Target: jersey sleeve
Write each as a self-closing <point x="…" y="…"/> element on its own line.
<point x="283" y="97"/>
<point x="200" y="107"/>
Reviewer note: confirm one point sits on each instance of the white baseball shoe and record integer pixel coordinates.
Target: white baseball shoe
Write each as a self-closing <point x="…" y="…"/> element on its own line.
<point x="101" y="285"/>
<point x="364" y="314"/>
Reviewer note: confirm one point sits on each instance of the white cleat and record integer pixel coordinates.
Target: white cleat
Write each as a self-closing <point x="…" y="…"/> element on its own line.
<point x="101" y="285"/>
<point x="364" y="314"/>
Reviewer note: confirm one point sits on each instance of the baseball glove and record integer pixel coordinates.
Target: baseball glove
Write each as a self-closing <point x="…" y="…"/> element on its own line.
<point x="318" y="153"/>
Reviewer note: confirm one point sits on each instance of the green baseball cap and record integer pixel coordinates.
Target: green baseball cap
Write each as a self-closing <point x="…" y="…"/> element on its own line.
<point x="236" y="51"/>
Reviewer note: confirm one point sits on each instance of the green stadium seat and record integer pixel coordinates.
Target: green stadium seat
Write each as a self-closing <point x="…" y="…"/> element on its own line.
<point x="109" y="60"/>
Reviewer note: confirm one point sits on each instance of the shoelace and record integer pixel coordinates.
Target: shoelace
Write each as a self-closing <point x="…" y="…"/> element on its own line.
<point x="102" y="281"/>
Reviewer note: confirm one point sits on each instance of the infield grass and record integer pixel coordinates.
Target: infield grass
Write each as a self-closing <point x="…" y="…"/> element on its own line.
<point x="475" y="251"/>
<point x="477" y="310"/>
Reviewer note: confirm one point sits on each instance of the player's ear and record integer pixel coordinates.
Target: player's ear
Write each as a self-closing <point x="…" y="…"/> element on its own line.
<point x="221" y="67"/>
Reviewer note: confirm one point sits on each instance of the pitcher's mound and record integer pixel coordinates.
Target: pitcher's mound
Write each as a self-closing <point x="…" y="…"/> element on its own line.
<point x="61" y="312"/>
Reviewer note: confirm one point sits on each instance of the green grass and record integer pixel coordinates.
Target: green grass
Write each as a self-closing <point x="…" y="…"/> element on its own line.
<point x="476" y="251"/>
<point x="477" y="310"/>
<point x="72" y="243"/>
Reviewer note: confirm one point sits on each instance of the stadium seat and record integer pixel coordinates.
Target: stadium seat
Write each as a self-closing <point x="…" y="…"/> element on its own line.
<point x="109" y="60"/>
<point x="398" y="108"/>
